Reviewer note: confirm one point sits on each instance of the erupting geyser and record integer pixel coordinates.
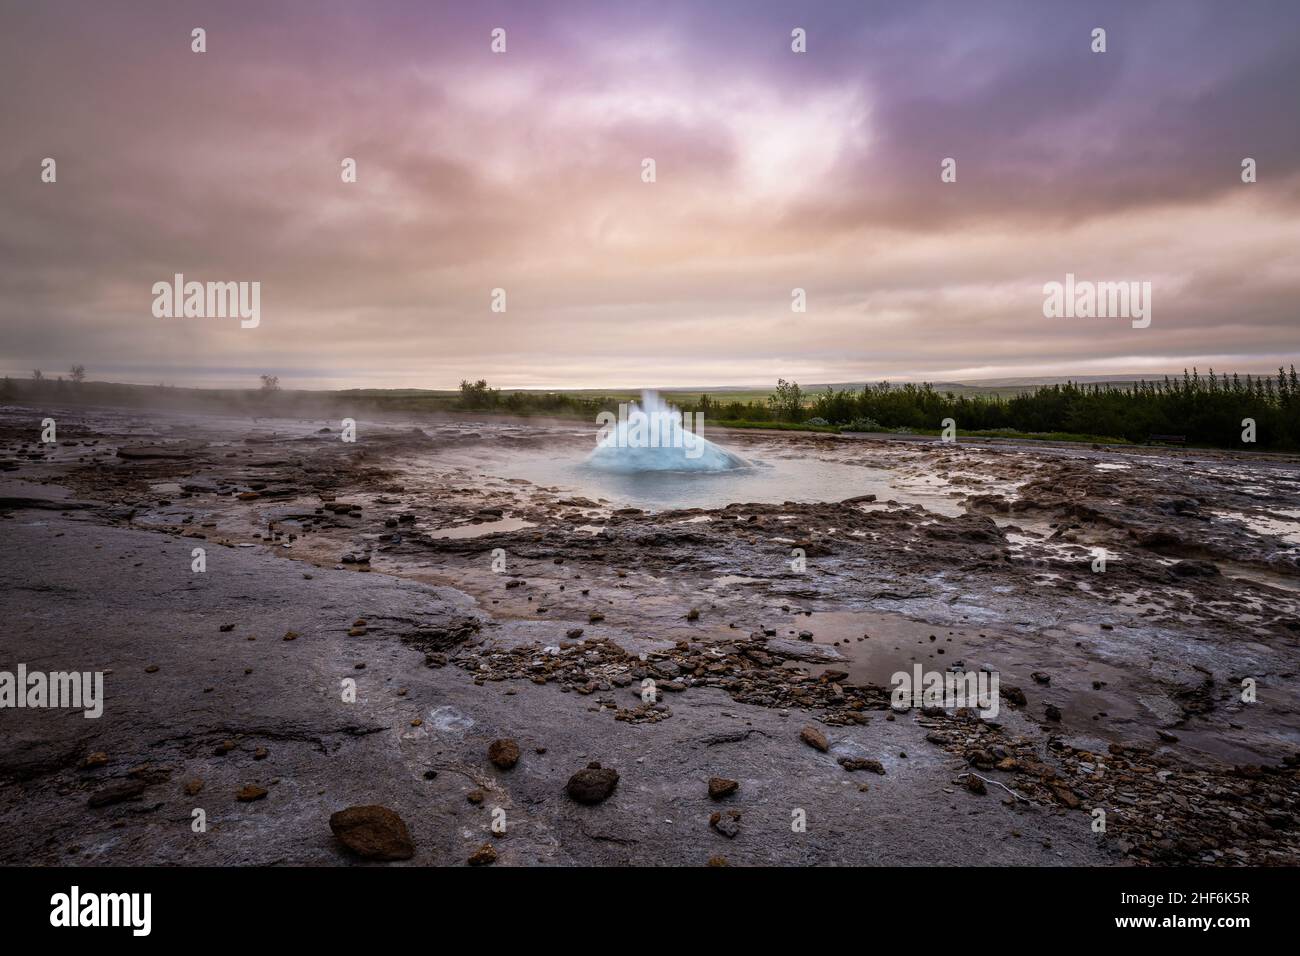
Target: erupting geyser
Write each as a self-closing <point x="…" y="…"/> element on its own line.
<point x="654" y="436"/>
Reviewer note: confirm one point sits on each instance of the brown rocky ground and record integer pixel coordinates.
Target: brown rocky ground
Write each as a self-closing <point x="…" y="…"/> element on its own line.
<point x="499" y="607"/>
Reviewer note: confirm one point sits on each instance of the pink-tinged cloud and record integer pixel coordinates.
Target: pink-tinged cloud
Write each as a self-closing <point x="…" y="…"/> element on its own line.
<point x="522" y="171"/>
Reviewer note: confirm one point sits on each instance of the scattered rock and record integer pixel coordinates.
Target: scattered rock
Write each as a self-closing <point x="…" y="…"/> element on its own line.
<point x="483" y="856"/>
<point x="728" y="824"/>
<point x="814" y="738"/>
<point x="852" y="764"/>
<point x="504" y="753"/>
<point x="592" y="784"/>
<point x="720" y="787"/>
<point x="373" y="832"/>
<point x="1067" y="797"/>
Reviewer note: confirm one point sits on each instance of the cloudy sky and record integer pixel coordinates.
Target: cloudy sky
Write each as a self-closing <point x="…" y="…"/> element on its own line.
<point x="523" y="171"/>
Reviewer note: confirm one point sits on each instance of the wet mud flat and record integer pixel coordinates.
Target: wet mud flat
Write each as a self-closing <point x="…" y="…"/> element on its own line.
<point x="490" y="591"/>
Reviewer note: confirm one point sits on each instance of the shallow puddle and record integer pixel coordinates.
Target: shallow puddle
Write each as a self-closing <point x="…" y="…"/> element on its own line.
<point x="486" y="528"/>
<point x="877" y="645"/>
<point x="770" y="481"/>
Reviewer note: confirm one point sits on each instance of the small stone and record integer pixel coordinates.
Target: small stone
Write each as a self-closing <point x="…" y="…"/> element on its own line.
<point x="1067" y="797"/>
<point x="592" y="784"/>
<point x="96" y="759"/>
<point x="151" y="669"/>
<point x="291" y="635"/>
<point x="475" y="797"/>
<point x="261" y="753"/>
<point x="815" y="738"/>
<point x="249" y="793"/>
<point x="192" y="787"/>
<point x="720" y="787"/>
<point x="852" y="764"/>
<point x="373" y="832"/>
<point x="1013" y="695"/>
<point x="503" y="753"/>
<point x="975" y="785"/>
<point x="483" y="856"/>
<point x="224" y="748"/>
<point x="728" y="824"/>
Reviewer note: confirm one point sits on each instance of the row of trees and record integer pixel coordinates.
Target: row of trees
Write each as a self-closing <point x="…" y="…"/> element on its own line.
<point x="1206" y="409"/>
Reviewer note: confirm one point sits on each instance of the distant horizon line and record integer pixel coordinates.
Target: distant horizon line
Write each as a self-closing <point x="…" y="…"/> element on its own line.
<point x="992" y="382"/>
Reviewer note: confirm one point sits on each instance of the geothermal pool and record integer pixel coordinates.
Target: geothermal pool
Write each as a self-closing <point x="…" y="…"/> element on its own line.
<point x="681" y="470"/>
<point x="684" y="470"/>
<point x="768" y="481"/>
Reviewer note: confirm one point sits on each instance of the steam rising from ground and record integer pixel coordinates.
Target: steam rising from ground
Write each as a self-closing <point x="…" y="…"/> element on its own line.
<point x="655" y="436"/>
